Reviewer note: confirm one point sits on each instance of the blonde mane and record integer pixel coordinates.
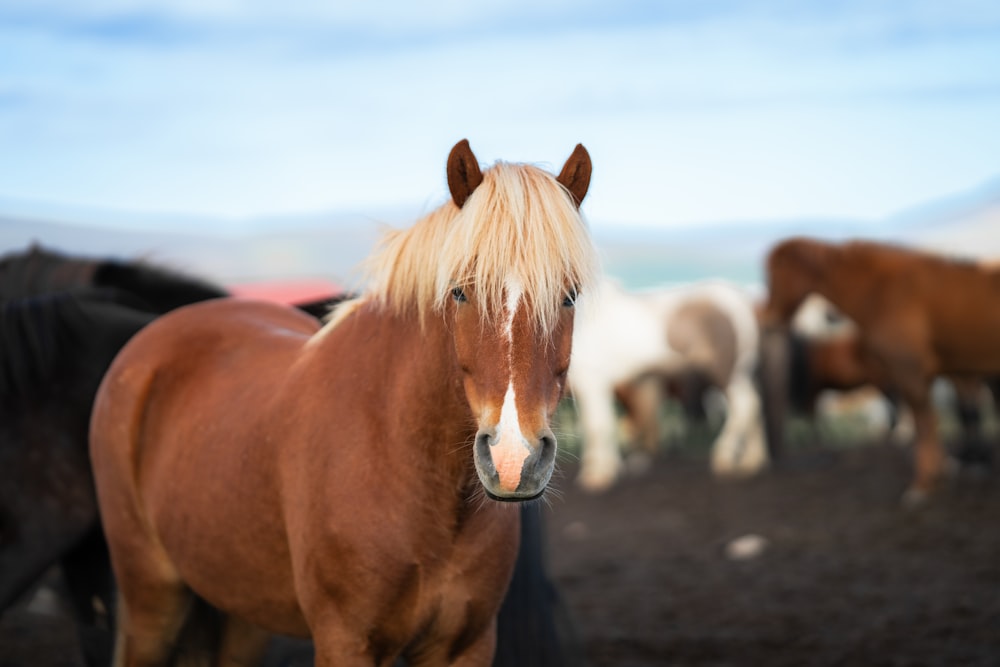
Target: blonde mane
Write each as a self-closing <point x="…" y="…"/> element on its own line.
<point x="518" y="225"/>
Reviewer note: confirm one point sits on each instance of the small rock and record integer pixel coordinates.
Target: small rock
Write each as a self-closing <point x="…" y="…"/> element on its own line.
<point x="746" y="547"/>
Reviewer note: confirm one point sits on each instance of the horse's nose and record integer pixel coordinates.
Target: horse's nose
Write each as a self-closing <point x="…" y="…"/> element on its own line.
<point x="511" y="467"/>
<point x="546" y="450"/>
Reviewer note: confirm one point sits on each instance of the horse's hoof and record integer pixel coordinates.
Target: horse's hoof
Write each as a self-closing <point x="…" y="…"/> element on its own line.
<point x="737" y="471"/>
<point x="914" y="498"/>
<point x="596" y="481"/>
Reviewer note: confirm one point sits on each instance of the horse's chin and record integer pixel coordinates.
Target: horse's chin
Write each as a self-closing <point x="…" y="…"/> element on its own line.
<point x="516" y="497"/>
<point x="530" y="489"/>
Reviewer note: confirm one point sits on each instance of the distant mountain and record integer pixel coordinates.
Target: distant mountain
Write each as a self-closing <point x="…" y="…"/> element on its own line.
<point x="966" y="225"/>
<point x="333" y="246"/>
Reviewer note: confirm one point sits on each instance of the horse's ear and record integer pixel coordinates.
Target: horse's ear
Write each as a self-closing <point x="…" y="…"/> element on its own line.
<point x="464" y="175"/>
<point x="575" y="174"/>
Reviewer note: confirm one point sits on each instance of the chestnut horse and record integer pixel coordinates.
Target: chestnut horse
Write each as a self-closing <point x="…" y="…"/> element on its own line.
<point x="342" y="482"/>
<point x="825" y="357"/>
<point x="918" y="315"/>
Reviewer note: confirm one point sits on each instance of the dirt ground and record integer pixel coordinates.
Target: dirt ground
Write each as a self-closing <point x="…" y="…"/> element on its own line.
<point x="845" y="576"/>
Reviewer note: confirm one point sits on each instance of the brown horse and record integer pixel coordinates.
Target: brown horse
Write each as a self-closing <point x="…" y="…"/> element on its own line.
<point x="341" y="483"/>
<point x="818" y="365"/>
<point x="919" y="316"/>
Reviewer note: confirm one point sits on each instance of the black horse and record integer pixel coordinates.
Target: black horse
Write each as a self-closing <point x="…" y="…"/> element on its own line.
<point x="56" y="348"/>
<point x="64" y="320"/>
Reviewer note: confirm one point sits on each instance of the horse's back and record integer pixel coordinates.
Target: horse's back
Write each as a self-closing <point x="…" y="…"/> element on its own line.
<point x="706" y="337"/>
<point x="719" y="316"/>
<point x="616" y="337"/>
<point x="199" y="356"/>
<point x="198" y="333"/>
<point x="935" y="301"/>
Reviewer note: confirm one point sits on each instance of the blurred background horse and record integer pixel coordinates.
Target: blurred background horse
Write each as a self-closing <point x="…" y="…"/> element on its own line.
<point x="42" y="271"/>
<point x="65" y="318"/>
<point x="54" y="350"/>
<point x="825" y="379"/>
<point x="700" y="335"/>
<point x="918" y="316"/>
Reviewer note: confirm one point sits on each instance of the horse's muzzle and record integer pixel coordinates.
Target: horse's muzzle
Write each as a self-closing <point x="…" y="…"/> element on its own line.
<point x="512" y="468"/>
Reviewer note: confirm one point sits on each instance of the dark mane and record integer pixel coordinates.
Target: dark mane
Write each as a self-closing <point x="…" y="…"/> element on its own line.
<point x="39" y="271"/>
<point x="163" y="289"/>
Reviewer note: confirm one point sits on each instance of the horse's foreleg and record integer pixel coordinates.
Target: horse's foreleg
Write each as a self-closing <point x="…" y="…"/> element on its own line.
<point x="336" y="646"/>
<point x="641" y="400"/>
<point x="601" y="460"/>
<point x="928" y="454"/>
<point x="243" y="644"/>
<point x="907" y="365"/>
<point x="740" y="448"/>
<point x="478" y="653"/>
<point x="973" y="448"/>
<point x="150" y="618"/>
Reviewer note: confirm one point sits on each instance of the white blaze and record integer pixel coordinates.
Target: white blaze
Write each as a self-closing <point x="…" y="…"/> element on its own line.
<point x="514" y="292"/>
<point x="511" y="448"/>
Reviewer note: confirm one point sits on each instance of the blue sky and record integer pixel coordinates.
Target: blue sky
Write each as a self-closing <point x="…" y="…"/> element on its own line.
<point x="694" y="113"/>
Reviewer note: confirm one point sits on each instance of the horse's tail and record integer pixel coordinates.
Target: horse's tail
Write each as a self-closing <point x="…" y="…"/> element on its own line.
<point x="773" y="368"/>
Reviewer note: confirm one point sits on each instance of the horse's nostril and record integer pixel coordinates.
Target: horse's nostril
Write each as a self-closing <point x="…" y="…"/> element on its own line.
<point x="547" y="447"/>
<point x="483" y="440"/>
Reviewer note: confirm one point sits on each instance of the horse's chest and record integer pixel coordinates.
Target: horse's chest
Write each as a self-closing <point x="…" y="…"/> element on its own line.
<point x="440" y="593"/>
<point x="461" y="600"/>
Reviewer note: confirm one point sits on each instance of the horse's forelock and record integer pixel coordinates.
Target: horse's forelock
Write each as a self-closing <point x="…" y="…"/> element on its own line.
<point x="519" y="225"/>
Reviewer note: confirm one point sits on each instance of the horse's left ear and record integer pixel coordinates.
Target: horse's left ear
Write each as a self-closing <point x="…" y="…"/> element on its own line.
<point x="464" y="175"/>
<point x="575" y="174"/>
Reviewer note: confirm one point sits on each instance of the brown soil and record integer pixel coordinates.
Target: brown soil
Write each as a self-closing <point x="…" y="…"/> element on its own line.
<point x="848" y="577"/>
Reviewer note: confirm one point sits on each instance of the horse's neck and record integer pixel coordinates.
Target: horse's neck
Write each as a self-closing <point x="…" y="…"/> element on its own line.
<point x="839" y="283"/>
<point x="412" y="372"/>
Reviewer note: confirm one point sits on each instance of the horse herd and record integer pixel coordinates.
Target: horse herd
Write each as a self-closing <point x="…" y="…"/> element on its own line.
<point x="209" y="472"/>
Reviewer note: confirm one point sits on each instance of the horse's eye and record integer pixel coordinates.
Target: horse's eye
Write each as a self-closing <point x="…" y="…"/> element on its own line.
<point x="570" y="299"/>
<point x="458" y="295"/>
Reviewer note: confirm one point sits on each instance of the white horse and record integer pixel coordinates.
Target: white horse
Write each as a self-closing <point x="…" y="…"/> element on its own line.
<point x="708" y="328"/>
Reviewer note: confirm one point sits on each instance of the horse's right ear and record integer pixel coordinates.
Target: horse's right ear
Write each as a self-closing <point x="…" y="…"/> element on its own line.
<point x="575" y="174"/>
<point x="464" y="175"/>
